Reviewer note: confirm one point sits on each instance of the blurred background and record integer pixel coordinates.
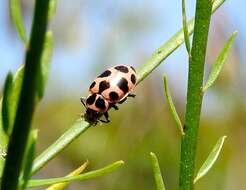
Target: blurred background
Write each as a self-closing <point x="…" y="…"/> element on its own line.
<point x="93" y="35"/>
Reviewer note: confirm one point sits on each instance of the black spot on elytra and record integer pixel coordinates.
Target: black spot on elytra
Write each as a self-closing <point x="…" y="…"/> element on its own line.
<point x="103" y="86"/>
<point x="123" y="85"/>
<point x="133" y="78"/>
<point x="92" y="85"/>
<point x="105" y="74"/>
<point x="91" y="99"/>
<point x="122" y="69"/>
<point x="133" y="68"/>
<point x="113" y="96"/>
<point x="100" y="103"/>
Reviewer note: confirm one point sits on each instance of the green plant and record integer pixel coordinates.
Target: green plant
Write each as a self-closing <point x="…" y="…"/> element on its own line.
<point x="26" y="88"/>
<point x="195" y="91"/>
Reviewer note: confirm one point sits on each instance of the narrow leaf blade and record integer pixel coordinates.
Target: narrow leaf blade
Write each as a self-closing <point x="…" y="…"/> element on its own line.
<point x="172" y="107"/>
<point x="6" y="104"/>
<point x="15" y="12"/>
<point x="45" y="62"/>
<point x="185" y="28"/>
<point x="89" y="175"/>
<point x="14" y="96"/>
<point x="212" y="157"/>
<point x="219" y="63"/>
<point x="60" y="186"/>
<point x="157" y="172"/>
<point x="3" y="143"/>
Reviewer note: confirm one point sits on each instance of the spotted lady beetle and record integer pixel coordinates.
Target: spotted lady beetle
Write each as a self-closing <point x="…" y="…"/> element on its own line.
<point x="113" y="86"/>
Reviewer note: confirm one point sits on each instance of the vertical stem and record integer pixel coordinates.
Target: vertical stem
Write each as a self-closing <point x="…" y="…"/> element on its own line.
<point x="26" y="105"/>
<point x="194" y="93"/>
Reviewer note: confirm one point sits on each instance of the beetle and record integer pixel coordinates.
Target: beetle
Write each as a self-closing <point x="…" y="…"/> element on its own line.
<point x="111" y="87"/>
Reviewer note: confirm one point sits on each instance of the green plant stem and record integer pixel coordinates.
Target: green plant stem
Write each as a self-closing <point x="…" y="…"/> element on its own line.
<point x="153" y="62"/>
<point x="22" y="123"/>
<point x="194" y="93"/>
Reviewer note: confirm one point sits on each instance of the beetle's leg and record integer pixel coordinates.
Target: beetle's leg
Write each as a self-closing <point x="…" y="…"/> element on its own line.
<point x="106" y="117"/>
<point x="114" y="106"/>
<point x="122" y="101"/>
<point x="83" y="100"/>
<point x="103" y="121"/>
<point x="131" y="95"/>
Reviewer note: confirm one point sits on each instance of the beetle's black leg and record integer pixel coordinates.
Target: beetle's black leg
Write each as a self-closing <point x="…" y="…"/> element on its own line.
<point x="83" y="101"/>
<point x="103" y="121"/>
<point x="114" y="106"/>
<point x="131" y="95"/>
<point x="122" y="101"/>
<point x="106" y="117"/>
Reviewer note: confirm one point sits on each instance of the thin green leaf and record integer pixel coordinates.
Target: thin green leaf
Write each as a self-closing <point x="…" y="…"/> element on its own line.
<point x="219" y="63"/>
<point x="5" y="103"/>
<point x="3" y="135"/>
<point x="4" y="119"/>
<point x="167" y="48"/>
<point x="89" y="175"/>
<point x="29" y="157"/>
<point x="70" y="135"/>
<point x="212" y="157"/>
<point x="45" y="62"/>
<point x="157" y="172"/>
<point x="14" y="96"/>
<point x="60" y="186"/>
<point x="52" y="8"/>
<point x="185" y="28"/>
<point x="15" y="12"/>
<point x="172" y="107"/>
